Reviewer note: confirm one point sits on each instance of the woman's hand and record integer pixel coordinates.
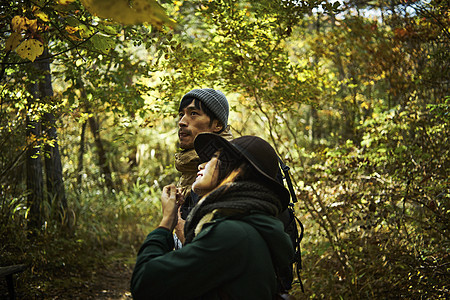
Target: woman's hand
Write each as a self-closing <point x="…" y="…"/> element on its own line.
<point x="169" y="205"/>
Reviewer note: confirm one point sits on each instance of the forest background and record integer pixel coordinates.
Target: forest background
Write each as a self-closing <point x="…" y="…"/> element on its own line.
<point x="353" y="95"/>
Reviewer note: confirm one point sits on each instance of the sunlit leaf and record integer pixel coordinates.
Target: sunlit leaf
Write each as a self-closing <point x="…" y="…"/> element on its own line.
<point x="74" y="37"/>
<point x="85" y="31"/>
<point x="13" y="41"/>
<point x="31" y="25"/>
<point x="18" y="23"/>
<point x="107" y="29"/>
<point x="102" y="43"/>
<point x="65" y="2"/>
<point x="141" y="11"/>
<point x="41" y="15"/>
<point x="30" y="49"/>
<point x="71" y="29"/>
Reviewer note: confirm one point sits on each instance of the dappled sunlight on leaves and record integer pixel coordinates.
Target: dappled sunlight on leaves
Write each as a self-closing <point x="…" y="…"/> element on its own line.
<point x="126" y="12"/>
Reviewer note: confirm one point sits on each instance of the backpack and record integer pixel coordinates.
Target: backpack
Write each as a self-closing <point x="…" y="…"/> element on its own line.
<point x="290" y="222"/>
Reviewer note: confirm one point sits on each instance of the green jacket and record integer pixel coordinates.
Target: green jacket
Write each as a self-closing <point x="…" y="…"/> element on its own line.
<point x="228" y="259"/>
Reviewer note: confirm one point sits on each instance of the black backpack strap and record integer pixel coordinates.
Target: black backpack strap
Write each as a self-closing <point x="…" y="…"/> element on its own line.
<point x="295" y="219"/>
<point x="285" y="170"/>
<point x="298" y="253"/>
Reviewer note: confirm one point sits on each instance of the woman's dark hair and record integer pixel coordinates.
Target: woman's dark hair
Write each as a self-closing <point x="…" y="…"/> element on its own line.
<point x="241" y="168"/>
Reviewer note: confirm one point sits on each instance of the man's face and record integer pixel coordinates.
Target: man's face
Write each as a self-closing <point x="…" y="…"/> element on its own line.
<point x="192" y="122"/>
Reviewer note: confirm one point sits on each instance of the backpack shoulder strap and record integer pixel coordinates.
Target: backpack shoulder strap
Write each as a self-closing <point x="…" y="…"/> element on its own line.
<point x="298" y="235"/>
<point x="285" y="170"/>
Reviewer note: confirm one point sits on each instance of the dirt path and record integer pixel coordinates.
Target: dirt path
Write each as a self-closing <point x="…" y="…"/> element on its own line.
<point x="113" y="283"/>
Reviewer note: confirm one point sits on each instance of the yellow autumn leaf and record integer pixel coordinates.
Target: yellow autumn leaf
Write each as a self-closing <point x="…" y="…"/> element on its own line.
<point x="71" y="29"/>
<point x="365" y="105"/>
<point x="75" y="38"/>
<point x="41" y="15"/>
<point x="13" y="41"/>
<point x="65" y="2"/>
<point x="18" y="23"/>
<point x="30" y="49"/>
<point x="31" y="25"/>
<point x="141" y="11"/>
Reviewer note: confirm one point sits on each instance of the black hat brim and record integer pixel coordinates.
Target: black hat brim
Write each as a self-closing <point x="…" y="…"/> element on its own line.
<point x="207" y="144"/>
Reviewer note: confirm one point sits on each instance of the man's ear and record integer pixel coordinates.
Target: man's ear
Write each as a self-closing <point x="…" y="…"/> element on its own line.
<point x="216" y="126"/>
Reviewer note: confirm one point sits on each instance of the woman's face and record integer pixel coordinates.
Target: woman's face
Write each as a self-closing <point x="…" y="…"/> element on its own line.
<point x="207" y="176"/>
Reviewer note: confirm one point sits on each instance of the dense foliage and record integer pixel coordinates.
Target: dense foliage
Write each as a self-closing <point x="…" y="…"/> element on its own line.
<point x="353" y="94"/>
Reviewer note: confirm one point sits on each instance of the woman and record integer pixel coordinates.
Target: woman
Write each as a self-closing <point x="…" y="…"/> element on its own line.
<point x="234" y="242"/>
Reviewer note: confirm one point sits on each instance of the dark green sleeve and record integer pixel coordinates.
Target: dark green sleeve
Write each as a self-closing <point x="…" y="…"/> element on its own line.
<point x="217" y="255"/>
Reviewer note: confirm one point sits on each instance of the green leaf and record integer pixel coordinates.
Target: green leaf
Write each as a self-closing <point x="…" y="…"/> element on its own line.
<point x="107" y="29"/>
<point x="102" y="43"/>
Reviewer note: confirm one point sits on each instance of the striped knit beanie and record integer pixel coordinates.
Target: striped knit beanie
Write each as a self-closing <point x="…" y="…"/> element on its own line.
<point x="214" y="100"/>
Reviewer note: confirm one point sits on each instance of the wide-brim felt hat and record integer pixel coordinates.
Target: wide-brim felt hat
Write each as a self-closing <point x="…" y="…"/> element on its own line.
<point x="255" y="150"/>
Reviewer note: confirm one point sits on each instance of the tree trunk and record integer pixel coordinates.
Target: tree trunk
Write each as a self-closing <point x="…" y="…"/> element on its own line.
<point x="53" y="167"/>
<point x="105" y="170"/>
<point x="102" y="160"/>
<point x="80" y="156"/>
<point x="42" y="89"/>
<point x="316" y="128"/>
<point x="348" y="124"/>
<point x="34" y="179"/>
<point x="314" y="120"/>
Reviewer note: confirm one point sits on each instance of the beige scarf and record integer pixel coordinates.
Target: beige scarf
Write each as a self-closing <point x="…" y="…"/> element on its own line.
<point x="187" y="162"/>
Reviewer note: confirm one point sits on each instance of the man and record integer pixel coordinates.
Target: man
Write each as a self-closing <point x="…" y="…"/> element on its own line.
<point x="201" y="110"/>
